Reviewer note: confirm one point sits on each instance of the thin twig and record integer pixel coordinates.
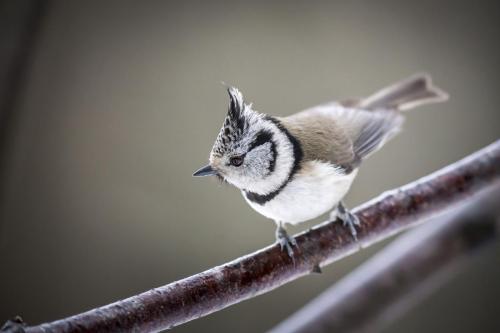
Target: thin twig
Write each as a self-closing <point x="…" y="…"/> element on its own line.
<point x="398" y="277"/>
<point x="269" y="268"/>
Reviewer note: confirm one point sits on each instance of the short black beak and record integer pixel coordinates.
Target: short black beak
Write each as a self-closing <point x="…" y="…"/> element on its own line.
<point x="205" y="171"/>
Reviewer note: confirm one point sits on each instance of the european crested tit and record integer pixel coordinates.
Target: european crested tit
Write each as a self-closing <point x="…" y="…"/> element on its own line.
<point x="296" y="168"/>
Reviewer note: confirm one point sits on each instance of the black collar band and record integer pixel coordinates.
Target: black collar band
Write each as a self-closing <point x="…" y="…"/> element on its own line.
<point x="297" y="159"/>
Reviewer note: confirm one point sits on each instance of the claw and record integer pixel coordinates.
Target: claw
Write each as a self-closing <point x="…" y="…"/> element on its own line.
<point x="348" y="220"/>
<point x="286" y="244"/>
<point x="285" y="241"/>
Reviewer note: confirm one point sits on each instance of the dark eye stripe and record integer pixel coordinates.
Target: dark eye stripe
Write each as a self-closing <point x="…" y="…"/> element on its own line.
<point x="262" y="137"/>
<point x="272" y="163"/>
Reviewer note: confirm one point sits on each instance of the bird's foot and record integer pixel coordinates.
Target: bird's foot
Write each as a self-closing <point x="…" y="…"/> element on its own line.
<point x="348" y="219"/>
<point x="285" y="241"/>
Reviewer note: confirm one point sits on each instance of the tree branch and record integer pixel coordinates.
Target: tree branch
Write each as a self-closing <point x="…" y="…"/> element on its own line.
<point x="400" y="275"/>
<point x="262" y="271"/>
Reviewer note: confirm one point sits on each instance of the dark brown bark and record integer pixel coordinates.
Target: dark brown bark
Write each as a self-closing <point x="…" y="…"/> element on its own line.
<point x="402" y="274"/>
<point x="269" y="268"/>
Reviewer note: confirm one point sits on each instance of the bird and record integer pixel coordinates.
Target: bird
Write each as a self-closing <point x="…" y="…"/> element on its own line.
<point x="293" y="169"/>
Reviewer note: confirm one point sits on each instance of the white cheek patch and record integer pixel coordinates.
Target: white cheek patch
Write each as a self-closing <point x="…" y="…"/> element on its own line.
<point x="258" y="161"/>
<point x="255" y="167"/>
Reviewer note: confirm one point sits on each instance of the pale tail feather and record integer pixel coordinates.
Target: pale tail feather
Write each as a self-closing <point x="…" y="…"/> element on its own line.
<point x="404" y="95"/>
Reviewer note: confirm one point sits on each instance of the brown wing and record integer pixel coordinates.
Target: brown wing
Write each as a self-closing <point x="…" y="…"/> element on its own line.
<point x="321" y="138"/>
<point x="340" y="135"/>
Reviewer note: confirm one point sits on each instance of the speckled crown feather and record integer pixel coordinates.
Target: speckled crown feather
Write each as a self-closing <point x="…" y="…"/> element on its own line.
<point x="235" y="122"/>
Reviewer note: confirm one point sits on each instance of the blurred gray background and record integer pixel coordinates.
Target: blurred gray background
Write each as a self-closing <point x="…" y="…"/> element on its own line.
<point x="109" y="106"/>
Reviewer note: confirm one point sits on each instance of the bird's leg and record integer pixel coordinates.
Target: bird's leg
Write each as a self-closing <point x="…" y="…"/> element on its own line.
<point x="348" y="219"/>
<point x="284" y="240"/>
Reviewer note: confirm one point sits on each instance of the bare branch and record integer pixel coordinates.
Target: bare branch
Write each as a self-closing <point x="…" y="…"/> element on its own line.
<point x="402" y="274"/>
<point x="269" y="268"/>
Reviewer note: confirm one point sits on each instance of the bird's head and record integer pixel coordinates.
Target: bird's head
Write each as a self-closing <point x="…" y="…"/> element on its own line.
<point x="250" y="152"/>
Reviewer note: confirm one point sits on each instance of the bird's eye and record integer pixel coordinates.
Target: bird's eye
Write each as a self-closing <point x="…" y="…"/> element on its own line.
<point x="236" y="160"/>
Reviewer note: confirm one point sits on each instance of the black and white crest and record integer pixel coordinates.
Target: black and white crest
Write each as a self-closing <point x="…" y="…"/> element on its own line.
<point x="235" y="123"/>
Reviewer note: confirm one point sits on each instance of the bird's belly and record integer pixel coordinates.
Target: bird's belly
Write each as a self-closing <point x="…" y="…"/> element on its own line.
<point x="315" y="190"/>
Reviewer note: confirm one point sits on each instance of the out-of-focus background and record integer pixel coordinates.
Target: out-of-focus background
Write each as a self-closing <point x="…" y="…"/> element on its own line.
<point x="107" y="107"/>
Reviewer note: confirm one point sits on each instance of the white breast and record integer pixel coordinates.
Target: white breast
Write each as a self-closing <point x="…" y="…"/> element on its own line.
<point x="315" y="189"/>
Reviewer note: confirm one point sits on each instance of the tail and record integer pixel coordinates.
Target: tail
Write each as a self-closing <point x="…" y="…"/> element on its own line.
<point x="404" y="95"/>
